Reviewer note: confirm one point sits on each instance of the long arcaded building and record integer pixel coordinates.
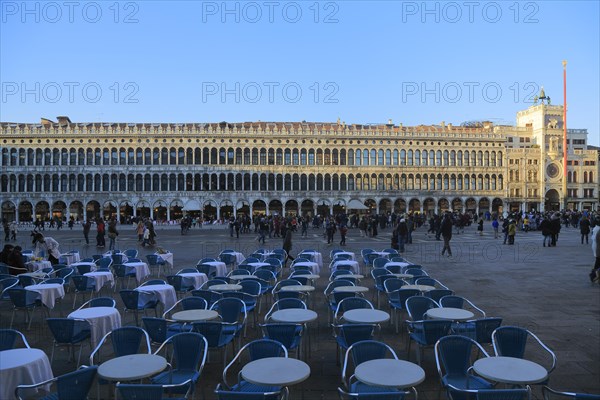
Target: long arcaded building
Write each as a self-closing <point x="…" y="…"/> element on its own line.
<point x="162" y="170"/>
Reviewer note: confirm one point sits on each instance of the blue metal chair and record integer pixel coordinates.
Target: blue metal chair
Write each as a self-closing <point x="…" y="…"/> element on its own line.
<point x="99" y="302"/>
<point x="210" y="296"/>
<point x="209" y="270"/>
<point x="480" y="330"/>
<point x="290" y="335"/>
<point x="211" y="282"/>
<point x="224" y="394"/>
<point x="359" y="352"/>
<point x="23" y="299"/>
<point x="125" y="341"/>
<point x="84" y="269"/>
<point x="426" y="280"/>
<point x="493" y="394"/>
<point x="73" y="385"/>
<point x="154" y="282"/>
<point x="380" y="262"/>
<point x="255" y="350"/>
<point x="66" y="274"/>
<point x="453" y="360"/>
<point x="350" y="303"/>
<point x="159" y="329"/>
<point x="104" y="262"/>
<point x="187" y="271"/>
<point x="385" y="395"/>
<point x="26" y="280"/>
<point x="7" y="283"/>
<point x="131" y="253"/>
<point x="217" y="337"/>
<point x="155" y="262"/>
<point x="459" y="302"/>
<point x="348" y="334"/>
<point x="285" y="304"/>
<point x="8" y="339"/>
<point x="429" y="332"/>
<point x="511" y="341"/>
<point x="233" y="312"/>
<point x="189" y="355"/>
<point x="121" y="272"/>
<point x="239" y="271"/>
<point x="83" y="284"/>
<point x="177" y="282"/>
<point x="59" y="281"/>
<point x="150" y="392"/>
<point x="551" y="393"/>
<point x="228" y="258"/>
<point x="437" y="294"/>
<point x="118" y="258"/>
<point x="377" y="274"/>
<point x="131" y="300"/>
<point x="69" y="332"/>
<point x="417" y="307"/>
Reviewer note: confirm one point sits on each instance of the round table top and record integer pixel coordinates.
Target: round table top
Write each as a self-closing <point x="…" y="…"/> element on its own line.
<point x="422" y="288"/>
<point x="366" y="316"/>
<point x="403" y="276"/>
<point x="351" y="289"/>
<point x="240" y="277"/>
<point x="132" y="367"/>
<point x="294" y="315"/>
<point x="510" y="370"/>
<point x="155" y="287"/>
<point x="15" y="358"/>
<point x="46" y="286"/>
<point x="344" y="276"/>
<point x="194" y="315"/>
<point x="93" y="312"/>
<point x="450" y="313"/>
<point x="225" y="287"/>
<point x="276" y="371"/>
<point x="307" y="276"/>
<point x="297" y="288"/>
<point x="389" y="372"/>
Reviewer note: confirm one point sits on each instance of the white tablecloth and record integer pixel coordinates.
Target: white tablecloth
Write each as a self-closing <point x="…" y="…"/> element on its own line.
<point x="102" y="320"/>
<point x="165" y="294"/>
<point x="48" y="292"/>
<point x="140" y="268"/>
<point x="37" y="265"/>
<point x="84" y="263"/>
<point x="220" y="267"/>
<point x="109" y="254"/>
<point x="22" y="366"/>
<point x="348" y="253"/>
<point x="239" y="257"/>
<point x="195" y="279"/>
<point x="257" y="265"/>
<point x="168" y="258"/>
<point x="355" y="266"/>
<point x="313" y="266"/>
<point x="69" y="258"/>
<point x="315" y="256"/>
<point x="102" y="278"/>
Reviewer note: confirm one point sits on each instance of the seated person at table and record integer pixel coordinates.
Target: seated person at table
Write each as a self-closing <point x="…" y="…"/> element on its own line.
<point x="15" y="261"/>
<point x="48" y="244"/>
<point x="8" y="248"/>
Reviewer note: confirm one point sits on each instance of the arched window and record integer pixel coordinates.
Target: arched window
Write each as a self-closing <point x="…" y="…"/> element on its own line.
<point x="438" y="158"/>
<point x="459" y="158"/>
<point x="410" y="158"/>
<point x="358" y="157"/>
<point x="380" y="158"/>
<point x="395" y="157"/>
<point x="402" y="157"/>
<point x="446" y="158"/>
<point x="417" y="157"/>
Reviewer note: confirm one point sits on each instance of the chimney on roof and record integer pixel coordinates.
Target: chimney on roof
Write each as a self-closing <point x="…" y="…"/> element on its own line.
<point x="63" y="120"/>
<point x="443" y="124"/>
<point x="46" y="121"/>
<point x="390" y="122"/>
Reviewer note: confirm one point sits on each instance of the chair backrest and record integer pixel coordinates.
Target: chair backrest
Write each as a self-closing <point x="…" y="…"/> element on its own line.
<point x="239" y="271"/>
<point x="187" y="271"/>
<point x="208" y="295"/>
<point x="263" y="348"/>
<point x="210" y="330"/>
<point x="153" y="259"/>
<point x="453" y="355"/>
<point x="511" y="341"/>
<point x="437" y="294"/>
<point x="265" y="274"/>
<point x="128" y="340"/>
<point x="59" y="281"/>
<point x="251" y="259"/>
<point x="378" y="395"/>
<point x="212" y="282"/>
<point x="21" y="297"/>
<point x="206" y="259"/>
<point x="484" y="327"/>
<point x="104" y="262"/>
<point x="194" y="303"/>
<point x="6" y="284"/>
<point x="224" y="394"/>
<point x="65" y="330"/>
<point x="286" y="303"/>
<point x="415" y="272"/>
<point x="25" y="280"/>
<point x="550" y="393"/>
<point x="227" y="258"/>
<point x="117" y="258"/>
<point x="353" y="333"/>
<point x="131" y="253"/>
<point x="83" y="283"/>
<point x="84" y="269"/>
<point x="76" y="384"/>
<point x="209" y="270"/>
<point x="397" y="258"/>
<point x="434" y="329"/>
<point x="154" y="282"/>
<point x="452" y="301"/>
<point x="65" y="273"/>
<point x="337" y="283"/>
<point x="8" y="339"/>
<point x="285" y="334"/>
<point x="375" y="272"/>
<point x="230" y="309"/>
<point x="189" y="350"/>
<point x="393" y="284"/>
<point x="366" y="350"/>
<point x="380" y="262"/>
<point x="417" y="306"/>
<point x="176" y="281"/>
<point x="130" y="298"/>
<point x="353" y="303"/>
<point x="156" y="328"/>
<point x="286" y="282"/>
<point x="394" y="269"/>
<point x="250" y="287"/>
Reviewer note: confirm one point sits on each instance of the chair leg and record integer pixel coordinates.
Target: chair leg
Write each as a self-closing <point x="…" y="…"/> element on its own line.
<point x="12" y="317"/>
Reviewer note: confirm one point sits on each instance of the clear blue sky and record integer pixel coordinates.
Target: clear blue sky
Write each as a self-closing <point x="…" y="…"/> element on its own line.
<point x="361" y="61"/>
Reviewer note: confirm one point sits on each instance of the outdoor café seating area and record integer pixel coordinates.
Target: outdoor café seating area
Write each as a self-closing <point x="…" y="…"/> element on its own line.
<point x="122" y="325"/>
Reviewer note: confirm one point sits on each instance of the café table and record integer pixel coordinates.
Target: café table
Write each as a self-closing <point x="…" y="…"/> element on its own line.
<point x="349" y="276"/>
<point x="295" y="316"/>
<point x="241" y="277"/>
<point x="167" y="258"/>
<point x="132" y="367"/>
<point x="239" y="257"/>
<point x="389" y="372"/>
<point x="366" y="316"/>
<point x="275" y="371"/>
<point x="38" y="275"/>
<point x="403" y="276"/>
<point x="346" y="253"/>
<point x="397" y="264"/>
<point x="315" y="256"/>
<point x="48" y="292"/>
<point x="165" y="293"/>
<point x="90" y="264"/>
<point x="102" y="320"/>
<point x="195" y="279"/>
<point x="353" y="264"/>
<point x="194" y="315"/>
<point x="69" y="258"/>
<point x="314" y="267"/>
<point x="510" y="370"/>
<point x="351" y="289"/>
<point x="297" y="288"/>
<point x="140" y="268"/>
<point x="450" y="313"/>
<point x="101" y="278"/>
<point x="220" y="267"/>
<point x="23" y="367"/>
<point x="225" y="287"/>
<point x="421" y="288"/>
<point x="110" y="253"/>
<point x="37" y="265"/>
<point x="257" y="265"/>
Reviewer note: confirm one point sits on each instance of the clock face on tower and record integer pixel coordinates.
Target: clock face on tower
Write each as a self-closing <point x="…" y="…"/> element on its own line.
<point x="552" y="170"/>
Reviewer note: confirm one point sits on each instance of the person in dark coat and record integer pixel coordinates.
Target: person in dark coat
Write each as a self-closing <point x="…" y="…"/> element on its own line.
<point x="287" y="243"/>
<point x="584" y="229"/>
<point x="446" y="233"/>
<point x="546" y="229"/>
<point x="554" y="229"/>
<point x="8" y="248"/>
<point x="16" y="262"/>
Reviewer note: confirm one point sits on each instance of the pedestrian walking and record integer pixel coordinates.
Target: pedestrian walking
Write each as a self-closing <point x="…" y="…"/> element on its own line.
<point x="343" y="232"/>
<point x="112" y="233"/>
<point x="480" y="226"/>
<point x="512" y="231"/>
<point x="287" y="244"/>
<point x="86" y="231"/>
<point x="446" y="233"/>
<point x="595" y="273"/>
<point x="584" y="229"/>
<point x="495" y="226"/>
<point x="100" y="230"/>
<point x="13" y="230"/>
